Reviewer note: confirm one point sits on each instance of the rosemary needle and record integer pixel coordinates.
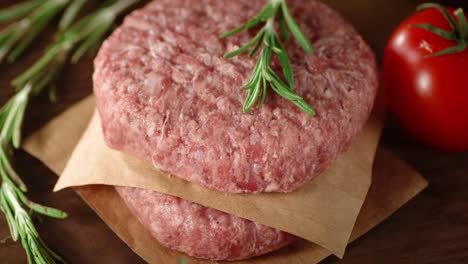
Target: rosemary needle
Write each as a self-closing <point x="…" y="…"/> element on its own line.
<point x="19" y="10"/>
<point x="73" y="41"/>
<point x="70" y="14"/>
<point x="35" y="16"/>
<point x="13" y="202"/>
<point x="263" y="75"/>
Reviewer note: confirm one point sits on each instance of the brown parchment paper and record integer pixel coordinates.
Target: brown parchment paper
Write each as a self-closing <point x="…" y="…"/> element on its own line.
<point x="323" y="211"/>
<point x="394" y="183"/>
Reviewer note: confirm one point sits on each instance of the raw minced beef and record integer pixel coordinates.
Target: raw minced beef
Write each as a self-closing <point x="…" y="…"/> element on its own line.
<point x="166" y="95"/>
<point x="199" y="231"/>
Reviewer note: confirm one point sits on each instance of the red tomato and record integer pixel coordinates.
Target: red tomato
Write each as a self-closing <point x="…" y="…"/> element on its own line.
<point x="429" y="95"/>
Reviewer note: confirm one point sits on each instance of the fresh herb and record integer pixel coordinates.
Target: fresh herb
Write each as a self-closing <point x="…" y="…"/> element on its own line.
<point x="13" y="201"/>
<point x="458" y="33"/>
<point x="78" y="39"/>
<point x="70" y="14"/>
<point x="263" y="75"/>
<point x="35" y="16"/>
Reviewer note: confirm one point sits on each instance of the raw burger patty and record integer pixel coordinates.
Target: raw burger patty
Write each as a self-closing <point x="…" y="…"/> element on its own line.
<point x="199" y="231"/>
<point x="166" y="95"/>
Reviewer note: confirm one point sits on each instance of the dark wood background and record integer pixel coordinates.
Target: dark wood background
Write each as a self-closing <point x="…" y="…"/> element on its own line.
<point x="432" y="228"/>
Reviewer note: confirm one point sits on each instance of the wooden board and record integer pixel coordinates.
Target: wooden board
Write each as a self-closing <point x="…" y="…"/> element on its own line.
<point x="430" y="229"/>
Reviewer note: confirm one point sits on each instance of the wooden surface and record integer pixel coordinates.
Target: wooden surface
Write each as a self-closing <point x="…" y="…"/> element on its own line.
<point x="432" y="228"/>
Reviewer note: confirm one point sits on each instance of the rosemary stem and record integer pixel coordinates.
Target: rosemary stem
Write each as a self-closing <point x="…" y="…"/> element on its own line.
<point x="275" y="3"/>
<point x="70" y="14"/>
<point x="123" y="5"/>
<point x="270" y="24"/>
<point x="80" y="37"/>
<point x="263" y="75"/>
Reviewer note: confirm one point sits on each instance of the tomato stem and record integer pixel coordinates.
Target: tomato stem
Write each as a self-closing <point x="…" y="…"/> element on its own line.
<point x="443" y="10"/>
<point x="459" y="33"/>
<point x="462" y="24"/>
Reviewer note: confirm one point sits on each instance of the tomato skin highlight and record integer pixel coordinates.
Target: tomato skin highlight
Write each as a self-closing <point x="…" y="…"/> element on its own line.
<point x="428" y="95"/>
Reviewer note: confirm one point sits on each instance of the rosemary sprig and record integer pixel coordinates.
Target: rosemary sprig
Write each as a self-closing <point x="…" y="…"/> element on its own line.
<point x="70" y="14"/>
<point x="36" y="15"/>
<point x="13" y="201"/>
<point x="81" y="37"/>
<point x="263" y="75"/>
<point x="19" y="10"/>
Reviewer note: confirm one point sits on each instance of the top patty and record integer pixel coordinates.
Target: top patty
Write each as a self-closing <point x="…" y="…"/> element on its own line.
<point x="166" y="95"/>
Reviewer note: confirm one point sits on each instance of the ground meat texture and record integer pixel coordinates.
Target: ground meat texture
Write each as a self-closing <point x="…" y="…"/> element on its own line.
<point x="200" y="231"/>
<point x="166" y="95"/>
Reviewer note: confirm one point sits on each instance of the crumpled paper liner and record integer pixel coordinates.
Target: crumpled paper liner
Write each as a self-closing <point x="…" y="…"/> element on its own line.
<point x="394" y="184"/>
<point x="323" y="211"/>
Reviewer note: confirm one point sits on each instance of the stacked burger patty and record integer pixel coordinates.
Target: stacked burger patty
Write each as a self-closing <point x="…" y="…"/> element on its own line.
<point x="166" y="95"/>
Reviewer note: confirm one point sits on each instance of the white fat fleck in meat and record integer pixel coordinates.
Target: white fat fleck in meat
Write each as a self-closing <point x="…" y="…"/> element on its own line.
<point x="161" y="50"/>
<point x="206" y="59"/>
<point x="271" y="186"/>
<point x="150" y="129"/>
<point x="180" y="76"/>
<point x="197" y="155"/>
<point x="153" y="82"/>
<point x="163" y="128"/>
<point x="177" y="220"/>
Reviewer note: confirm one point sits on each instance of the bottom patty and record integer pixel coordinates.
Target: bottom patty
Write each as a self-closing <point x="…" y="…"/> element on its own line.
<point x="199" y="231"/>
